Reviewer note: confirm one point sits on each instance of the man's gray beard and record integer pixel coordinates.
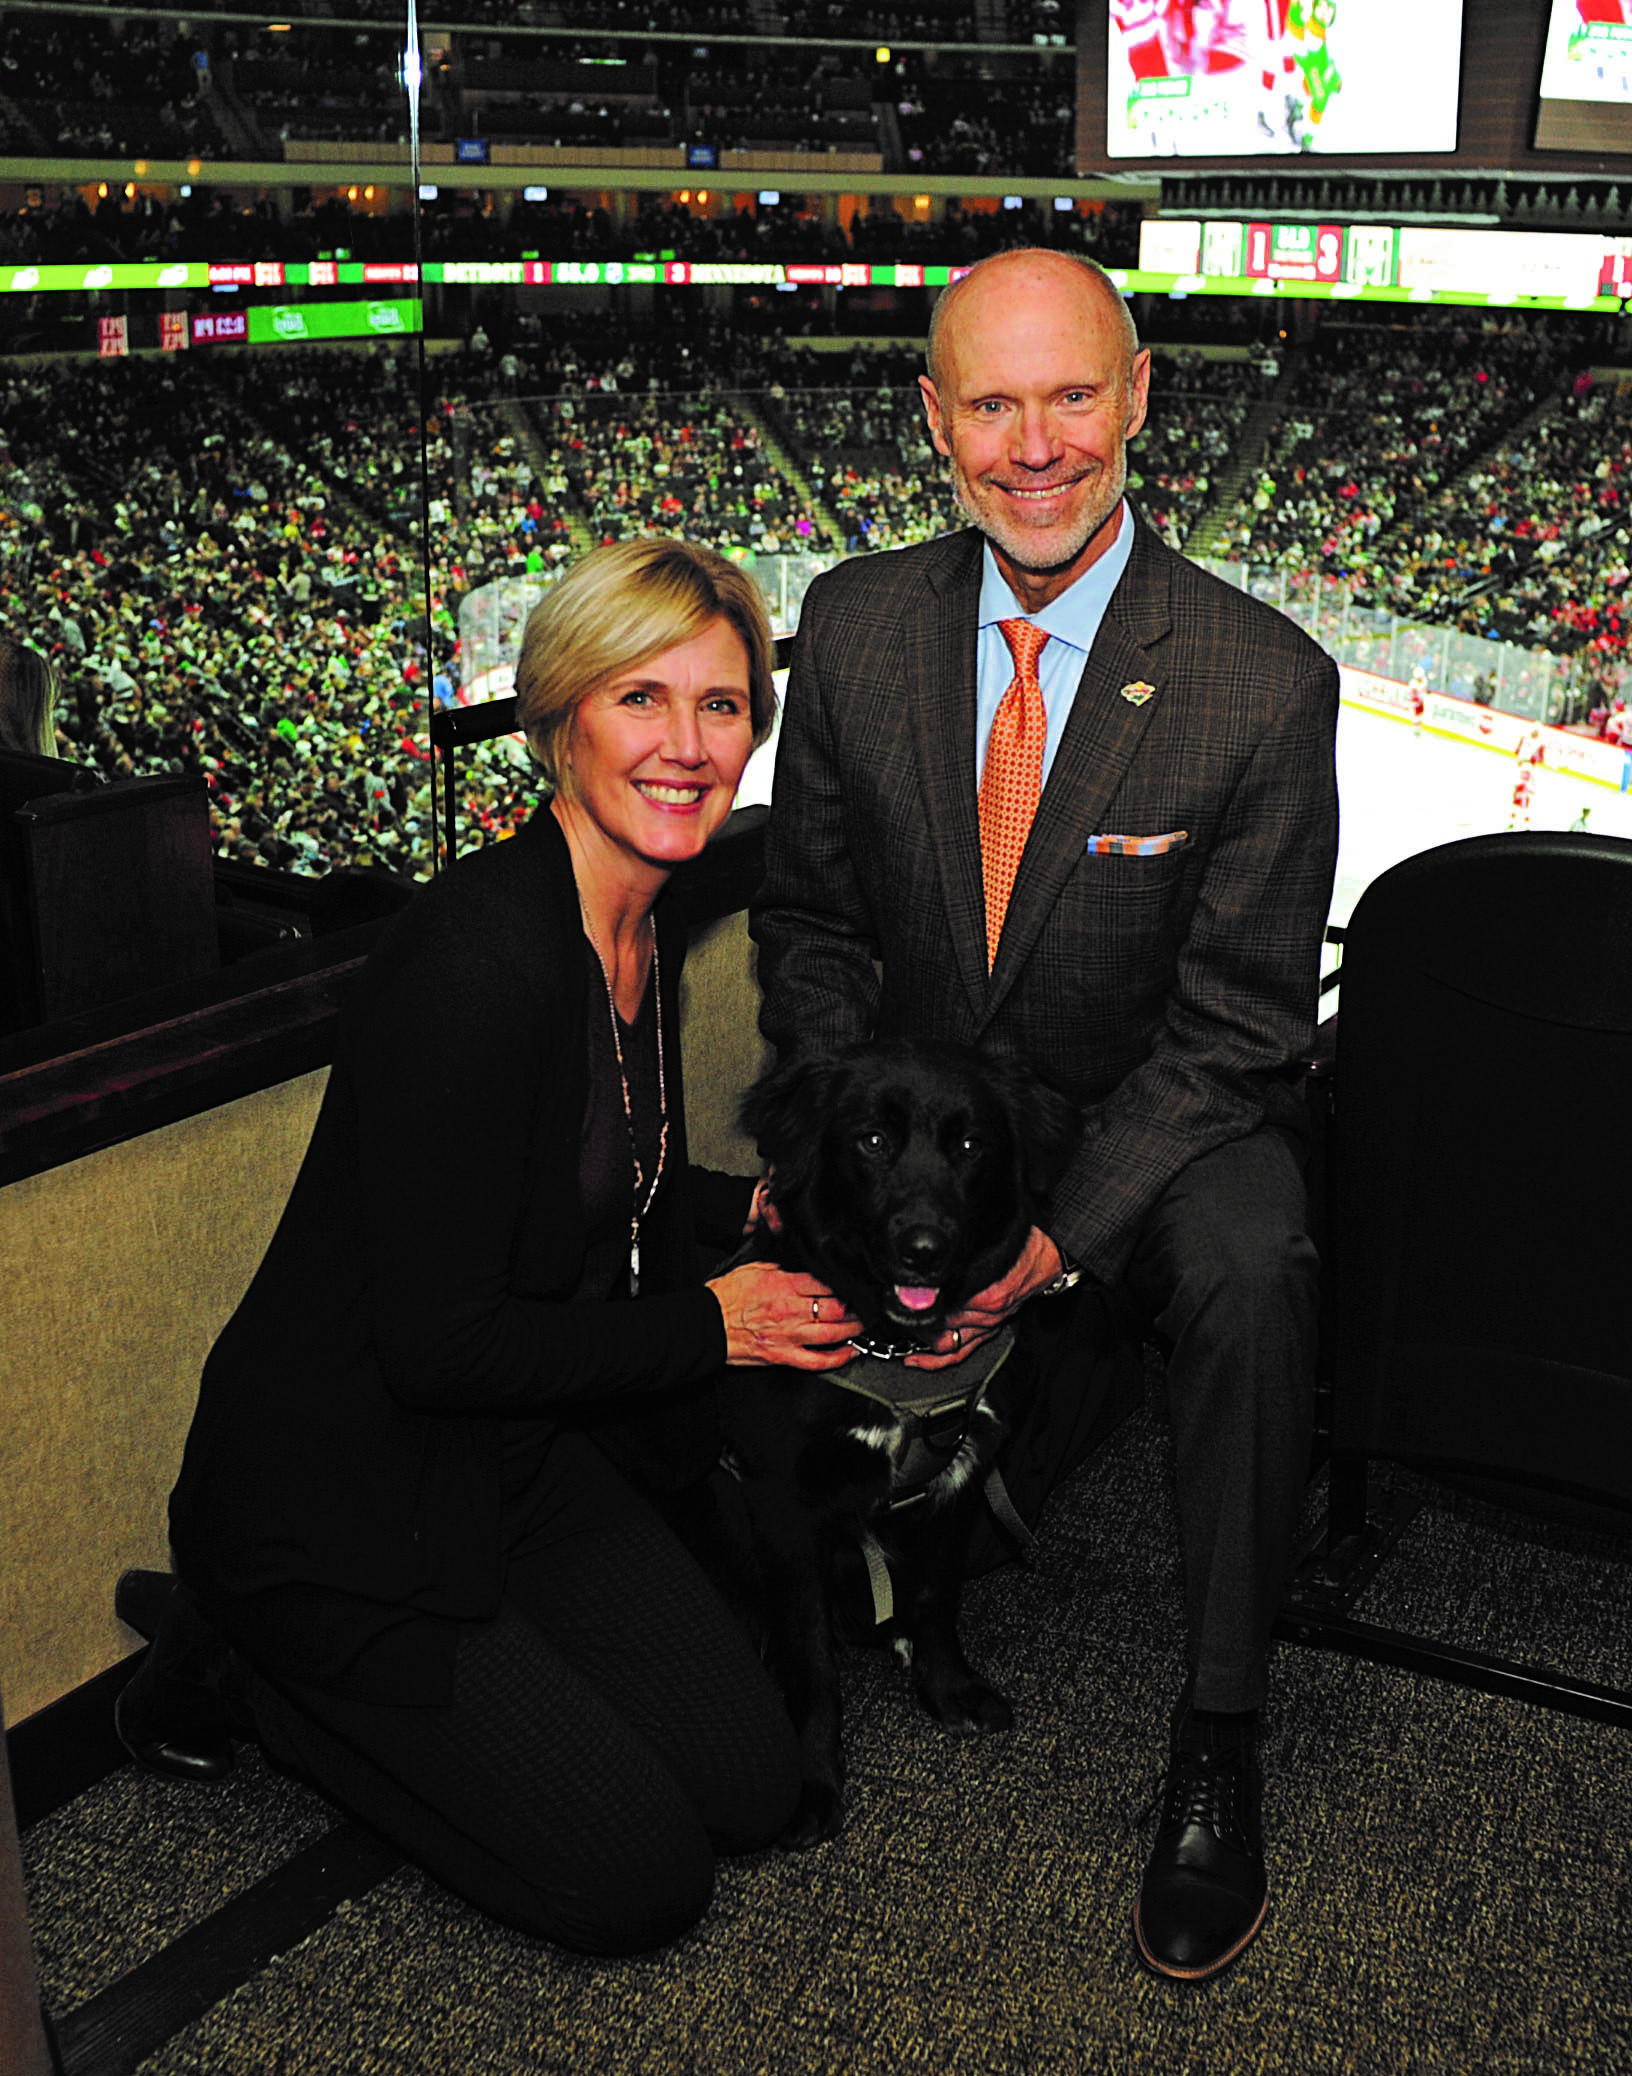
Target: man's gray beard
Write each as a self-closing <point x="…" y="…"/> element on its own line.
<point x="981" y="521"/>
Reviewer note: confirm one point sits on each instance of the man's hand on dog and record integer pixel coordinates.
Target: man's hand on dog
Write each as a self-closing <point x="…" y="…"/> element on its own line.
<point x="986" y="1311"/>
<point x="777" y="1315"/>
<point x="761" y="1208"/>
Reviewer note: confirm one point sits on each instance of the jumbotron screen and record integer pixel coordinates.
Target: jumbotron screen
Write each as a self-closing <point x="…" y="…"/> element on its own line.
<point x="1236" y="78"/>
<point x="1585" y="102"/>
<point x="1589" y="52"/>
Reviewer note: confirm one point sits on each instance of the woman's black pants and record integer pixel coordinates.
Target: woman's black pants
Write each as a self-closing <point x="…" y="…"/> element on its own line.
<point x="609" y="1731"/>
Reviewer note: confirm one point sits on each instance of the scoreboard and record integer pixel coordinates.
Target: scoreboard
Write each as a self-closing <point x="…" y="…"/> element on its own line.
<point x="1251" y="256"/>
<point x="1273" y="251"/>
<point x="1410" y="262"/>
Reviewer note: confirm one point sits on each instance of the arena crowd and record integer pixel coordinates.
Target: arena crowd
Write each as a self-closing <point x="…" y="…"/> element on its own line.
<point x="240" y="571"/>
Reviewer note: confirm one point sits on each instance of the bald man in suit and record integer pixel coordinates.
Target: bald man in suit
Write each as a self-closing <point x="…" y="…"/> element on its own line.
<point x="1156" y="953"/>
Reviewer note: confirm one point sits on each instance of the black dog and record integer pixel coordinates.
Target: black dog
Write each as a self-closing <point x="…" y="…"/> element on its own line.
<point x="906" y="1178"/>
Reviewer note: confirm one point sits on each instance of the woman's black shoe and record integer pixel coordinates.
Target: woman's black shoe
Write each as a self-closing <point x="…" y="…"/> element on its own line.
<point x="172" y="1718"/>
<point x="140" y="1599"/>
<point x="52" y="2046"/>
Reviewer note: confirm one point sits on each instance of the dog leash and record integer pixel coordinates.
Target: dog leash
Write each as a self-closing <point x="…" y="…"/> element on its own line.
<point x="878" y="1565"/>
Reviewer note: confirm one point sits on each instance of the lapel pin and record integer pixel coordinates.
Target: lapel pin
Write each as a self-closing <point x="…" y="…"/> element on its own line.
<point x="1138" y="693"/>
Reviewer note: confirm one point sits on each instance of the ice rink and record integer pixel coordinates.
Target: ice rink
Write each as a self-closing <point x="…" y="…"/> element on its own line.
<point x="1402" y="793"/>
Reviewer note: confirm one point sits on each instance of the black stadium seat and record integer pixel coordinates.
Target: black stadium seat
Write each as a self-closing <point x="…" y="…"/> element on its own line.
<point x="109" y="893"/>
<point x="1481" y="1162"/>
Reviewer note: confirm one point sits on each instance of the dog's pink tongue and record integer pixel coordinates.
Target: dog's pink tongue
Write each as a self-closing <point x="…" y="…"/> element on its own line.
<point x="917" y="1297"/>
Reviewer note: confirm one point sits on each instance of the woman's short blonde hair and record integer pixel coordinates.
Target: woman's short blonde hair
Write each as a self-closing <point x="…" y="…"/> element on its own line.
<point x="28" y="697"/>
<point x="620" y="605"/>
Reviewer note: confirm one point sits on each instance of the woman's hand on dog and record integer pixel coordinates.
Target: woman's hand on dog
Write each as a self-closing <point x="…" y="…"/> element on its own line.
<point x="777" y="1316"/>
<point x="988" y="1309"/>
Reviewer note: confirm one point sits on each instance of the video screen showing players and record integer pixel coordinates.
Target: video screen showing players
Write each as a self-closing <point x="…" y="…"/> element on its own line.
<point x="1229" y="78"/>
<point x="1589" y="52"/>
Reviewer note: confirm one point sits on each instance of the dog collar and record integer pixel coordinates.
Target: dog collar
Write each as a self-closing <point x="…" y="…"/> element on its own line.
<point x="885" y="1351"/>
<point x="887" y="1379"/>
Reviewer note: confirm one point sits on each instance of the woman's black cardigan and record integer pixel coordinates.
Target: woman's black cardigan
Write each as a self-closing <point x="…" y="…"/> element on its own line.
<point x="412" y="1305"/>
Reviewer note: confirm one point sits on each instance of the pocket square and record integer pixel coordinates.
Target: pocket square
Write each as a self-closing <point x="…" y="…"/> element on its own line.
<point x="1136" y="846"/>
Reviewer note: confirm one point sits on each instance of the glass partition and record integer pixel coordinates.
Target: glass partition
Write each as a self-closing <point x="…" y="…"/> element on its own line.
<point x="1536" y="683"/>
<point x="212" y="465"/>
<point x="218" y="550"/>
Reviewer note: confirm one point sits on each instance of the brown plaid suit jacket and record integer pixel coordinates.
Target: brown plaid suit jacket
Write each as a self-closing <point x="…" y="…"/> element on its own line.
<point x="1168" y="992"/>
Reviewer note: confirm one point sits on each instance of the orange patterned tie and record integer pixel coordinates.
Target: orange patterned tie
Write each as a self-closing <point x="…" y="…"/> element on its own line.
<point x="1012" y="783"/>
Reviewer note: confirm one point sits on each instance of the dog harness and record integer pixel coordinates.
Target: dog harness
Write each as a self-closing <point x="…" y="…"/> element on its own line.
<point x="934" y="1423"/>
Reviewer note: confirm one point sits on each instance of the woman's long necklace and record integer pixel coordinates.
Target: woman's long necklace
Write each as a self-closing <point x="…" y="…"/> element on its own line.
<point x="638" y="1209"/>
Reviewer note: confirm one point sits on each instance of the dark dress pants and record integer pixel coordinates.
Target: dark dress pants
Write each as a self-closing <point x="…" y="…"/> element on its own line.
<point x="608" y="1732"/>
<point x="1226" y="1272"/>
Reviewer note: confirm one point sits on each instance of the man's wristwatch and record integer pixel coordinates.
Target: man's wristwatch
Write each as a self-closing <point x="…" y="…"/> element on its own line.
<point x="1068" y="1278"/>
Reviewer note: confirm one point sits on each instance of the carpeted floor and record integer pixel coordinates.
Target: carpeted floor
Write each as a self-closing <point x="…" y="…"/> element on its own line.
<point x="1449" y="1872"/>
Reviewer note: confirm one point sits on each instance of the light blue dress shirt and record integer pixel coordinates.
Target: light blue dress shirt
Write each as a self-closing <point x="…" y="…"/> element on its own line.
<point x="1071" y="621"/>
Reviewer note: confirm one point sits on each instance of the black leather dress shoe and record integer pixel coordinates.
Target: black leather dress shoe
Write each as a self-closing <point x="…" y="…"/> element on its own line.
<point x="1205" y="1891"/>
<point x="171" y="1717"/>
